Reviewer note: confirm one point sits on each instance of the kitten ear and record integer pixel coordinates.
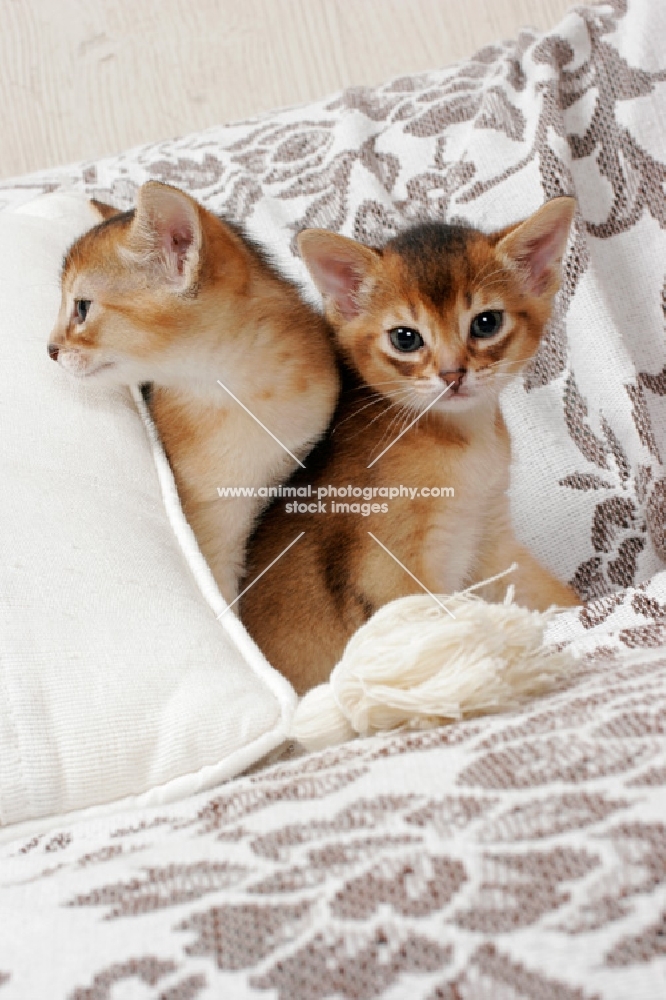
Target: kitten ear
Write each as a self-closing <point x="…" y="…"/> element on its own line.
<point x="106" y="211"/>
<point x="338" y="267"/>
<point x="536" y="246"/>
<point x="166" y="233"/>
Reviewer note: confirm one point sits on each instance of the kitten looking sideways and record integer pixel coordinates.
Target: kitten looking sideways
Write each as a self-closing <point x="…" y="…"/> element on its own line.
<point x="170" y="294"/>
<point x="430" y="327"/>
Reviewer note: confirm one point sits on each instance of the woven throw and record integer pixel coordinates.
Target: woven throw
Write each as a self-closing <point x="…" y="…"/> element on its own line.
<point x="516" y="858"/>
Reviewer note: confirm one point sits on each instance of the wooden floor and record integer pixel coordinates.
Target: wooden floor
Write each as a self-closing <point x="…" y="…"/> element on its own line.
<point x="82" y="78"/>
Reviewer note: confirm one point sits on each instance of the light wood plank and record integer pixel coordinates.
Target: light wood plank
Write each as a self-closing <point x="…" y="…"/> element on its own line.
<point x="80" y="79"/>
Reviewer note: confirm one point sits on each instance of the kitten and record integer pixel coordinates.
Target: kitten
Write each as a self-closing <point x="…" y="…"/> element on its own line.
<point x="170" y="294"/>
<point x="441" y="309"/>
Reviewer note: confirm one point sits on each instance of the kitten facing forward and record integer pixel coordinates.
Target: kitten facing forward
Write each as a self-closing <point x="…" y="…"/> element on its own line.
<point x="431" y="328"/>
<point x="170" y="294"/>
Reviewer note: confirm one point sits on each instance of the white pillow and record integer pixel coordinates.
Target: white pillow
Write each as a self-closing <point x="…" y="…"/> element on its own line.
<point x="117" y="679"/>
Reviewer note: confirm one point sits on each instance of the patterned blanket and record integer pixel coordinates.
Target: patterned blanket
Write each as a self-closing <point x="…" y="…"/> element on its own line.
<point x="517" y="857"/>
<point x="514" y="858"/>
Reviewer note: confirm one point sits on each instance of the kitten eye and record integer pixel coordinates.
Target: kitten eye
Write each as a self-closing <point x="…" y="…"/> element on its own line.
<point x="405" y="339"/>
<point x="81" y="309"/>
<point x="486" y="324"/>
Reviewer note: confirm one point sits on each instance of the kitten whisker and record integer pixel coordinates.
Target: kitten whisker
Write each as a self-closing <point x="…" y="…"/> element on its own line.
<point x="390" y="405"/>
<point x="488" y="285"/>
<point x="490" y="268"/>
<point x="486" y="268"/>
<point x="391" y="424"/>
<point x="493" y="280"/>
<point x="495" y="365"/>
<point x="388" y="381"/>
<point x="378" y="397"/>
<point x="371" y="422"/>
<point x="408" y="413"/>
<point x="500" y="374"/>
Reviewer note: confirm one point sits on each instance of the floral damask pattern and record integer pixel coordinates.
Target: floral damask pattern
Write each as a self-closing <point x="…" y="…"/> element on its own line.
<point x="520" y="857"/>
<point x="460" y="862"/>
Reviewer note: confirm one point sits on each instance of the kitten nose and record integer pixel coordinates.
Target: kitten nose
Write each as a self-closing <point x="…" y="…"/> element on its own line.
<point x="454" y="379"/>
<point x="54" y="351"/>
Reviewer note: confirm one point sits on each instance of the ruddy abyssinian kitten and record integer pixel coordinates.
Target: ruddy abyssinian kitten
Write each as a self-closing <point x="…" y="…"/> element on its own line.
<point x="440" y="307"/>
<point x="170" y="294"/>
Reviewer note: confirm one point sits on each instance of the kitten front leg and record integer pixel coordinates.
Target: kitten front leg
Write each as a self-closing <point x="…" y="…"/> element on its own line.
<point x="535" y="587"/>
<point x="438" y="565"/>
<point x="221" y="529"/>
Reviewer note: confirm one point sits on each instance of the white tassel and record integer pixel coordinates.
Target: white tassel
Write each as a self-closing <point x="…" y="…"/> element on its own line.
<point x="319" y="722"/>
<point x="412" y="665"/>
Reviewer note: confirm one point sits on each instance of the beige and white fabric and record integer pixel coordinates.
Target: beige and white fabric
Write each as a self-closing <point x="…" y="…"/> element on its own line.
<point x="519" y="857"/>
<point x="514" y="858"/>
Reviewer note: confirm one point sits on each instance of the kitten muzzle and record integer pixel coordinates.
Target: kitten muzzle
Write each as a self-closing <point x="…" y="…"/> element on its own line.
<point x="454" y="379"/>
<point x="77" y="362"/>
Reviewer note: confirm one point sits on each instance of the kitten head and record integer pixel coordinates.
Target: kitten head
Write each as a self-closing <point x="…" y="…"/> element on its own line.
<point x="442" y="309"/>
<point x="130" y="286"/>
